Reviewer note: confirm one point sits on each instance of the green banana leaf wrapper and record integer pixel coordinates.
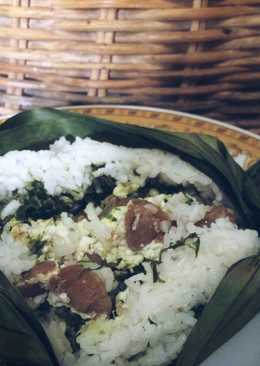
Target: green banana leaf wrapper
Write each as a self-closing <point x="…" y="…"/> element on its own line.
<point x="236" y="300"/>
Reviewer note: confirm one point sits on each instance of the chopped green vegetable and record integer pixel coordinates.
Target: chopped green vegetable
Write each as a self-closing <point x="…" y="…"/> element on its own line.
<point x="36" y="246"/>
<point x="193" y="241"/>
<point x="73" y="324"/>
<point x="188" y="199"/>
<point x="38" y="204"/>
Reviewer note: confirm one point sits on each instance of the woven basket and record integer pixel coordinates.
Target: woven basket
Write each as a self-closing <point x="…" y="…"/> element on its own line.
<point x="198" y="56"/>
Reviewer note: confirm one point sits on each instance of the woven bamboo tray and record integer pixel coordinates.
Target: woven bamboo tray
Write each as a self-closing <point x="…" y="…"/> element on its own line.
<point x="193" y="55"/>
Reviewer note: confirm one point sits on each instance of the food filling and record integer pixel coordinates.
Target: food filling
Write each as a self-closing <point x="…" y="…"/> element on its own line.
<point x="115" y="249"/>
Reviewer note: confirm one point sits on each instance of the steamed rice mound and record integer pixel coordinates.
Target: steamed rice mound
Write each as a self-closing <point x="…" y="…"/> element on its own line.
<point x="117" y="250"/>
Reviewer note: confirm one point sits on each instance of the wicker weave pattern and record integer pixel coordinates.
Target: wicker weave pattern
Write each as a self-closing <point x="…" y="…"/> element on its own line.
<point x="200" y="56"/>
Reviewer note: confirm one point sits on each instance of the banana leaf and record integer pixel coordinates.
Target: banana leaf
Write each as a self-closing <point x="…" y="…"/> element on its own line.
<point x="237" y="298"/>
<point x="252" y="188"/>
<point x="23" y="341"/>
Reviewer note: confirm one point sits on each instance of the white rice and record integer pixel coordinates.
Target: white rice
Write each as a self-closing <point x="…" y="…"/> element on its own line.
<point x="15" y="257"/>
<point x="10" y="209"/>
<point x="67" y="167"/>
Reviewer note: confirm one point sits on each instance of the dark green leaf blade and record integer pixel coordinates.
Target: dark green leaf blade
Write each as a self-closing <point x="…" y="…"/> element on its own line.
<point x="18" y="324"/>
<point x="38" y="128"/>
<point x="248" y="290"/>
<point x="251" y="189"/>
<point x="219" y="320"/>
<point x="246" y="305"/>
<point x="251" y="309"/>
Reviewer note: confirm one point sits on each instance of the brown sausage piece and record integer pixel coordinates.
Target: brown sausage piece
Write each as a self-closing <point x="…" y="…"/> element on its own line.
<point x="34" y="282"/>
<point x="86" y="291"/>
<point x="215" y="213"/>
<point x="42" y="268"/>
<point x="114" y="201"/>
<point x="111" y="202"/>
<point x="65" y="277"/>
<point x="142" y="223"/>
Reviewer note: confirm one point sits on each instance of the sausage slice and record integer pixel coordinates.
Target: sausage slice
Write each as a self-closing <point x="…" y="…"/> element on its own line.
<point x="85" y="289"/>
<point x="40" y="270"/>
<point x="215" y="213"/>
<point x="35" y="281"/>
<point x="142" y="223"/>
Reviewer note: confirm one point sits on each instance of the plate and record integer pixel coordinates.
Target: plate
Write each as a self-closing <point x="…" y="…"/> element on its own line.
<point x="239" y="142"/>
<point x="243" y="349"/>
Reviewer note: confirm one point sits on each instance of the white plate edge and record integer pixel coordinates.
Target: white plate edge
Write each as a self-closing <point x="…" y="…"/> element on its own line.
<point x="165" y="110"/>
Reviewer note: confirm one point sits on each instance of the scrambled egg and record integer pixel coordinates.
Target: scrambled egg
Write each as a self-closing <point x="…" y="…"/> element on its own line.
<point x="65" y="240"/>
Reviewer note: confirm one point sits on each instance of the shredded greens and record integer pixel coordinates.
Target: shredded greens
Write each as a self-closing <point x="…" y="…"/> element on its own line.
<point x="38" y="204"/>
<point x="193" y="241"/>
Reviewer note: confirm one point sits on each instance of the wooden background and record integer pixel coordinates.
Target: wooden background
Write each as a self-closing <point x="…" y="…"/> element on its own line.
<point x="200" y="56"/>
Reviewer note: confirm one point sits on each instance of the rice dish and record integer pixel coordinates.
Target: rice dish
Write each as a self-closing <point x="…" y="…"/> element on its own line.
<point x="117" y="250"/>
